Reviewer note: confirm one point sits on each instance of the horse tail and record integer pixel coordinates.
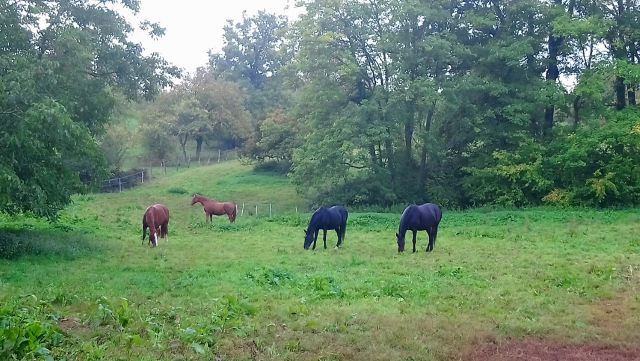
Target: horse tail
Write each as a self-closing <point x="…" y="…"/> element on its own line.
<point x="233" y="213"/>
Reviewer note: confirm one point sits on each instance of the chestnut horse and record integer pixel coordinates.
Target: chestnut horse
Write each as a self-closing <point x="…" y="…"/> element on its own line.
<point x="156" y="218"/>
<point x="215" y="208"/>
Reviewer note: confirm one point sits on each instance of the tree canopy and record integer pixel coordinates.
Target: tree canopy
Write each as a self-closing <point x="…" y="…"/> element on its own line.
<point x="63" y="64"/>
<point x="461" y="103"/>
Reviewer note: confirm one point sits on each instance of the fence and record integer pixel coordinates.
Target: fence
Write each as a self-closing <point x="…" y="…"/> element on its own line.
<point x="121" y="183"/>
<point x="264" y="209"/>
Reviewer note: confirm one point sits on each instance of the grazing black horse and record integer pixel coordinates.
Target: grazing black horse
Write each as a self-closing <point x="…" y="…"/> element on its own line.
<point x="424" y="217"/>
<point x="324" y="219"/>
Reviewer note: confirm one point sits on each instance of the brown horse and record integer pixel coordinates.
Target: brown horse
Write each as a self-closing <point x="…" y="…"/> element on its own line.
<point x="156" y="218"/>
<point x="215" y="208"/>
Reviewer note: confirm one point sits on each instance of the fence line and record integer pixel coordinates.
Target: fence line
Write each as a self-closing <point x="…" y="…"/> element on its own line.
<point x="267" y="209"/>
<point x="124" y="182"/>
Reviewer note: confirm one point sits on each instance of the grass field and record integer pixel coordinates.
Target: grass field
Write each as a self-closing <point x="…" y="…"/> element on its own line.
<point x="85" y="288"/>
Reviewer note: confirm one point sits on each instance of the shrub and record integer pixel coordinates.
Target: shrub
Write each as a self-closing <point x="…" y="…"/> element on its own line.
<point x="599" y="164"/>
<point x="177" y="190"/>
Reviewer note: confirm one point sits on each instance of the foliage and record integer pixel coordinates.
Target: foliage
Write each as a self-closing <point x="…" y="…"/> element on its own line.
<point x="115" y="145"/>
<point x="516" y="179"/>
<point x="156" y="141"/>
<point x="25" y="334"/>
<point x="62" y="69"/>
<point x="279" y="136"/>
<point x="599" y="163"/>
<point x="46" y="157"/>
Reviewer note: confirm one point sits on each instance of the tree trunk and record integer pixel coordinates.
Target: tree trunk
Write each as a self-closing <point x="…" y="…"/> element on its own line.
<point x="422" y="174"/>
<point x="408" y="137"/>
<point x="620" y="53"/>
<point x="576" y="112"/>
<point x="182" y="138"/>
<point x="631" y="90"/>
<point x="552" y="75"/>
<point x="621" y="96"/>
<point x="199" y="141"/>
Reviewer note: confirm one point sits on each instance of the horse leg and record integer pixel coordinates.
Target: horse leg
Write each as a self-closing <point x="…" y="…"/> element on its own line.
<point x="165" y="231"/>
<point x="324" y="238"/>
<point x="414" y="240"/>
<point x="430" y="244"/>
<point x="144" y="231"/>
<point x="315" y="238"/>
<point x="339" y="233"/>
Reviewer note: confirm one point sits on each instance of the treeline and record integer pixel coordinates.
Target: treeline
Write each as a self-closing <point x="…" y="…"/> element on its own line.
<point x="376" y="102"/>
<point x="64" y="68"/>
<point x="464" y="103"/>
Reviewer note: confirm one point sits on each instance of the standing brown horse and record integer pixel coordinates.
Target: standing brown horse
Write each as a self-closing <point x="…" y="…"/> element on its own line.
<point x="215" y="208"/>
<point x="156" y="218"/>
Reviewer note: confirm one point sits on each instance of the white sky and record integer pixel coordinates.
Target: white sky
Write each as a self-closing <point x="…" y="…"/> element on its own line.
<point x="193" y="27"/>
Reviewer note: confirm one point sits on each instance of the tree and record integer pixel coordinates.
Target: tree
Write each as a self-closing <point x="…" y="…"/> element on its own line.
<point x="255" y="55"/>
<point x="60" y="71"/>
<point x="222" y="115"/>
<point x="115" y="144"/>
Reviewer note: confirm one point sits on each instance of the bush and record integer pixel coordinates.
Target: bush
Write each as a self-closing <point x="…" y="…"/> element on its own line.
<point x="599" y="165"/>
<point x="515" y="179"/>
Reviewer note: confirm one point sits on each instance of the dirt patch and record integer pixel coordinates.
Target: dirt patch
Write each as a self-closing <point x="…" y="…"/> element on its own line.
<point x="73" y="326"/>
<point x="540" y="350"/>
<point x="617" y="319"/>
<point x="614" y="336"/>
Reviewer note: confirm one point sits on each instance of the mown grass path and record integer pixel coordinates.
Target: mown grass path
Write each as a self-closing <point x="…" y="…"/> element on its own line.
<point x="249" y="291"/>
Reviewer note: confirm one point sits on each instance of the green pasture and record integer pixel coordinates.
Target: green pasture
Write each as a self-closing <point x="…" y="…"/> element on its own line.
<point x="85" y="288"/>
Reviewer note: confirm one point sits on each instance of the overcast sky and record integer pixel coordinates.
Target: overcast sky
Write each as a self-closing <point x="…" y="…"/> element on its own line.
<point x="193" y="27"/>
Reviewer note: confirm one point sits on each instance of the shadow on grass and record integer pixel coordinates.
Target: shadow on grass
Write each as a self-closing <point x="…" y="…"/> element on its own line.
<point x="16" y="243"/>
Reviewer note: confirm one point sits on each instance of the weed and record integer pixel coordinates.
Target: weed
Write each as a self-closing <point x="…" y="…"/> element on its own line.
<point x="26" y="333"/>
<point x="177" y="190"/>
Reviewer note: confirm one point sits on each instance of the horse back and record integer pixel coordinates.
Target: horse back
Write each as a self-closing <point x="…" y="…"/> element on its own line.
<point x="160" y="213"/>
<point x="341" y="212"/>
<point x="431" y="214"/>
<point x="328" y="218"/>
<point x="420" y="217"/>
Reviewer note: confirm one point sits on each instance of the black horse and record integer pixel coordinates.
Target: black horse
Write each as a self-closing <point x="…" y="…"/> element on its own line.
<point x="424" y="217"/>
<point x="325" y="219"/>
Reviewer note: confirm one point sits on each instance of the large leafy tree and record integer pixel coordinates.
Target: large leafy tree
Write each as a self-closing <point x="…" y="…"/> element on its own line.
<point x="255" y="55"/>
<point x="62" y="66"/>
<point x="460" y="102"/>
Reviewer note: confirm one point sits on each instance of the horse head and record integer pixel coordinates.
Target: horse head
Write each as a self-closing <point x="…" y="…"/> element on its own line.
<point x="400" y="240"/>
<point x="308" y="238"/>
<point x="196" y="199"/>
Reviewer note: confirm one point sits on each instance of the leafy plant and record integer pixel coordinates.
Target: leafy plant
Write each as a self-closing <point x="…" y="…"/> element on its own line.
<point x="25" y="334"/>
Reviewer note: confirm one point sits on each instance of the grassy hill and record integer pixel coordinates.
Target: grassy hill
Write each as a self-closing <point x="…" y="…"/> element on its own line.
<point x="85" y="288"/>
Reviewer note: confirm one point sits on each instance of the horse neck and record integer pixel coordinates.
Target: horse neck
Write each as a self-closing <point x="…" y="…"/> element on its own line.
<point x="315" y="220"/>
<point x="403" y="223"/>
<point x="150" y="219"/>
<point x="200" y="199"/>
